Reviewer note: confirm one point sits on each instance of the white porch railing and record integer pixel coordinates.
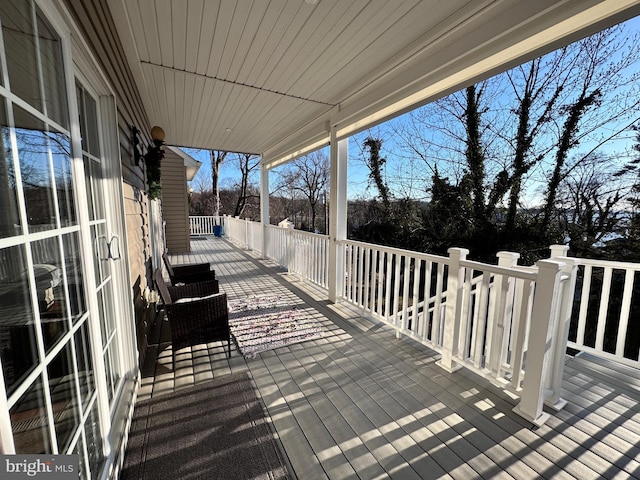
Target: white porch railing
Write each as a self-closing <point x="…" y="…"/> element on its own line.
<point x="509" y="323"/>
<point x="606" y="306"/>
<point x="302" y="253"/>
<point x="478" y="316"/>
<point x="203" y="225"/>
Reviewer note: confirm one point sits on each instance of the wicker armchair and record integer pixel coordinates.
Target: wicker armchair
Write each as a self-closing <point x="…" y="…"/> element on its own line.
<point x="197" y="313"/>
<point x="191" y="273"/>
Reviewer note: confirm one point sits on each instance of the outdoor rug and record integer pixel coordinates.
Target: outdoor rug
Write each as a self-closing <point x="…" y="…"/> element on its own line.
<point x="214" y="430"/>
<point x="265" y="322"/>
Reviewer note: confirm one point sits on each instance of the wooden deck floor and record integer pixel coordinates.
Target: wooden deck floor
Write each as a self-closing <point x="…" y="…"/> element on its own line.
<point x="360" y="403"/>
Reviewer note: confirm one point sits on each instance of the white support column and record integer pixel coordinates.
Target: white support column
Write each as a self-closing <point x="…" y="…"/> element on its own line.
<point x="541" y="341"/>
<point x="337" y="213"/>
<point x="264" y="205"/>
<point x="453" y="309"/>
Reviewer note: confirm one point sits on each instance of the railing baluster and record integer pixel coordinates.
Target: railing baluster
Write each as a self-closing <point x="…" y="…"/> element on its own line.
<point x="624" y="312"/>
<point x="584" y="304"/>
<point x="428" y="333"/>
<point x="438" y="322"/>
<point x="367" y="273"/>
<point x="604" y="306"/>
<point x="482" y="329"/>
<point x="417" y="265"/>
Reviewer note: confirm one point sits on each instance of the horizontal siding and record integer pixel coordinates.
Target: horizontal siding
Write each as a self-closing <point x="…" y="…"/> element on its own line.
<point x="175" y="208"/>
<point x="94" y="20"/>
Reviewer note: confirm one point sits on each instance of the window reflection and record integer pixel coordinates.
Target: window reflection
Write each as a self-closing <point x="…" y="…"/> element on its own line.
<point x="29" y="421"/>
<point x="52" y="72"/>
<point x="20" y="47"/>
<point x="9" y="216"/>
<point x="79" y="450"/>
<point x="64" y="400"/>
<point x="101" y="252"/>
<point x="94" y="440"/>
<point x="111" y="367"/>
<point x="72" y="261"/>
<point x="17" y="330"/>
<point x="33" y="151"/>
<point x="47" y="270"/>
<point x="89" y="113"/>
<point x="85" y="364"/>
<point x="22" y="42"/>
<point x="60" y="145"/>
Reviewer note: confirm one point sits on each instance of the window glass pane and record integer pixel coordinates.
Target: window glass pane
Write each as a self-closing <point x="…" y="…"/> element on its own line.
<point x="83" y="127"/>
<point x="93" y="172"/>
<point x="64" y="397"/>
<point x="47" y="269"/>
<point x="17" y="330"/>
<point x="91" y="125"/>
<point x="89" y="186"/>
<point x="97" y="180"/>
<point x="101" y="251"/>
<point x="103" y="337"/>
<point x="114" y="371"/>
<point x="85" y="364"/>
<point x="73" y="265"/>
<point x="33" y="152"/>
<point x="29" y="421"/>
<point x="94" y="441"/>
<point x="108" y="314"/>
<point x="79" y="450"/>
<point x="55" y="93"/>
<point x="9" y="216"/>
<point x="108" y="367"/>
<point x="20" y="47"/>
<point x="61" y="154"/>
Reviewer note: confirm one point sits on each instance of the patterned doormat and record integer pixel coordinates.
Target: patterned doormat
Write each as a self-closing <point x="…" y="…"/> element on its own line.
<point x="266" y="322"/>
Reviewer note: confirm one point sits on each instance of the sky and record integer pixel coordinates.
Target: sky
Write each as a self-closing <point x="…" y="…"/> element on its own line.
<point x="407" y="177"/>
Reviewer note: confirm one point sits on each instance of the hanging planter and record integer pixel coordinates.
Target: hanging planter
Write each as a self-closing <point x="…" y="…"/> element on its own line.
<point x="152" y="159"/>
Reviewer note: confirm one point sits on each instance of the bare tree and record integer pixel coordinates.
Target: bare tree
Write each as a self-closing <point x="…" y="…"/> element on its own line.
<point x="216" y="157"/>
<point x="246" y="163"/>
<point x="309" y="176"/>
<point x="591" y="204"/>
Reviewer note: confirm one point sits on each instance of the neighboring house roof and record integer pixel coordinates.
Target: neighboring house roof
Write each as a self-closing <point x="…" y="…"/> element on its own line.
<point x="191" y="164"/>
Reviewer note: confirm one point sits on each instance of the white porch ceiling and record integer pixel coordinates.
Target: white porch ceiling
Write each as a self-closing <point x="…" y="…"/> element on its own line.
<point x="271" y="77"/>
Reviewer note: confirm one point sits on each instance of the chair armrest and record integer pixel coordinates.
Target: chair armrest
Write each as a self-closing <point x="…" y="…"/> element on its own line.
<point x="194" y="290"/>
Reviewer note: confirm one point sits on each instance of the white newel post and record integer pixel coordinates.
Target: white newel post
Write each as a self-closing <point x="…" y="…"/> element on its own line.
<point x="559" y="251"/>
<point x="453" y="309"/>
<point x="337" y="214"/>
<point x="556" y="374"/>
<point x="264" y="205"/>
<point x="541" y="333"/>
